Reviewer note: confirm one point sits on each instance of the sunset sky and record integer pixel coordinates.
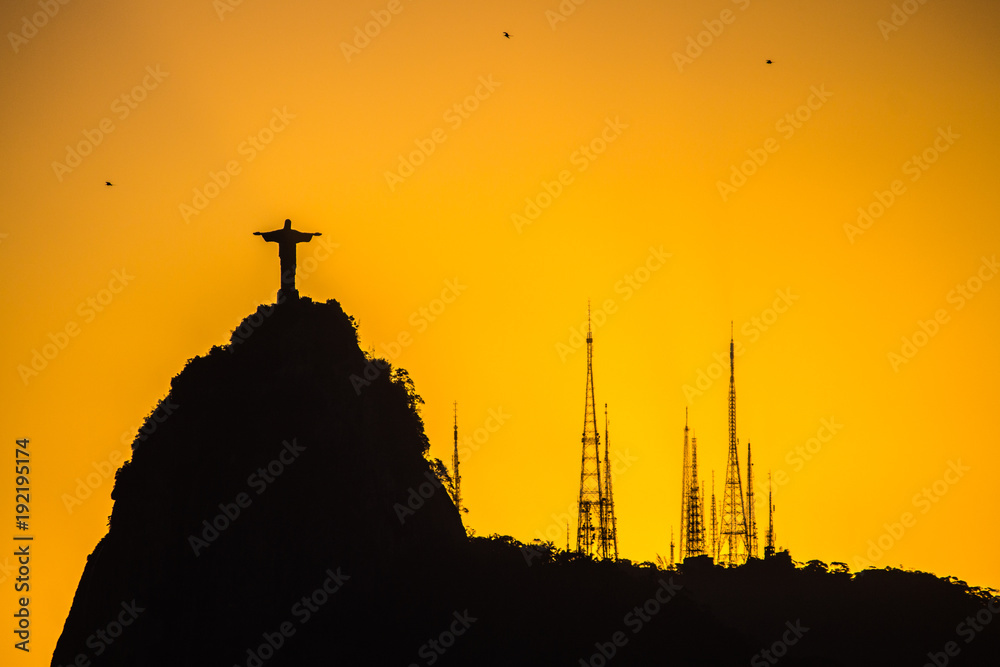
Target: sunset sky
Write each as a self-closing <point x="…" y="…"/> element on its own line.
<point x="638" y="154"/>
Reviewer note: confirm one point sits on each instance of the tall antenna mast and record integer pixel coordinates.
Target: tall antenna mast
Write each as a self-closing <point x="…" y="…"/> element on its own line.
<point x="734" y="523"/>
<point x="715" y="524"/>
<point x="769" y="540"/>
<point x="609" y="545"/>
<point x="456" y="475"/>
<point x="751" y="512"/>
<point x="685" y="486"/>
<point x="704" y="518"/>
<point x="695" y="538"/>
<point x="591" y="530"/>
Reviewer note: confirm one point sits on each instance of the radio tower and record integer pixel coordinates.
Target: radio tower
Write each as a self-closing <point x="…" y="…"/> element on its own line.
<point x="456" y="475"/>
<point x="591" y="529"/>
<point x="694" y="541"/>
<point x="685" y="486"/>
<point x="715" y="525"/>
<point x="609" y="545"/>
<point x="704" y="521"/>
<point x="751" y="512"/>
<point x="769" y="540"/>
<point x="734" y="522"/>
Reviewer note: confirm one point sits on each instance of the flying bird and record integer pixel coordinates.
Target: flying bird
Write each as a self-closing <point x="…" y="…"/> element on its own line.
<point x="507" y="35"/>
<point x="768" y="62"/>
<point x="108" y="183"/>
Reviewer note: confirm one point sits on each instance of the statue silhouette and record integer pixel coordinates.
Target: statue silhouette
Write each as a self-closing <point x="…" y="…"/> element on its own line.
<point x="287" y="238"/>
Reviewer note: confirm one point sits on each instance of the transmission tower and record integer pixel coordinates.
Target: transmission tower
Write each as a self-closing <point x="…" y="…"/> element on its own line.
<point x="609" y="541"/>
<point x="715" y="524"/>
<point x="751" y="511"/>
<point x="456" y="475"/>
<point x="769" y="540"/>
<point x="685" y="486"/>
<point x="590" y="528"/>
<point x="734" y="522"/>
<point x="695" y="538"/>
<point x="704" y="522"/>
<point x="671" y="546"/>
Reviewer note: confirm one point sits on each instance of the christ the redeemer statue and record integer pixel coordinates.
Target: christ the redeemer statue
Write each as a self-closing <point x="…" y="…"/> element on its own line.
<point x="286" y="238"/>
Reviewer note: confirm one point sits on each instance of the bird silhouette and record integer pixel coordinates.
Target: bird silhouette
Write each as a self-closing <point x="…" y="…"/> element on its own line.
<point x="768" y="62"/>
<point x="507" y="35"/>
<point x="108" y="183"/>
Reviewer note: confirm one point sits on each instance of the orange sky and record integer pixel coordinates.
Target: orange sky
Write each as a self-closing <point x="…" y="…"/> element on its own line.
<point x="633" y="144"/>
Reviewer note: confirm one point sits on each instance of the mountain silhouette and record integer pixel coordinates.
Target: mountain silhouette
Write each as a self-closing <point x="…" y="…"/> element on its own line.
<point x="285" y="513"/>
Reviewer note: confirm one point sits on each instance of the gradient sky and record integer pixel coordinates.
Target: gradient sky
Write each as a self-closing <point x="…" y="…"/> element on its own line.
<point x="633" y="140"/>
